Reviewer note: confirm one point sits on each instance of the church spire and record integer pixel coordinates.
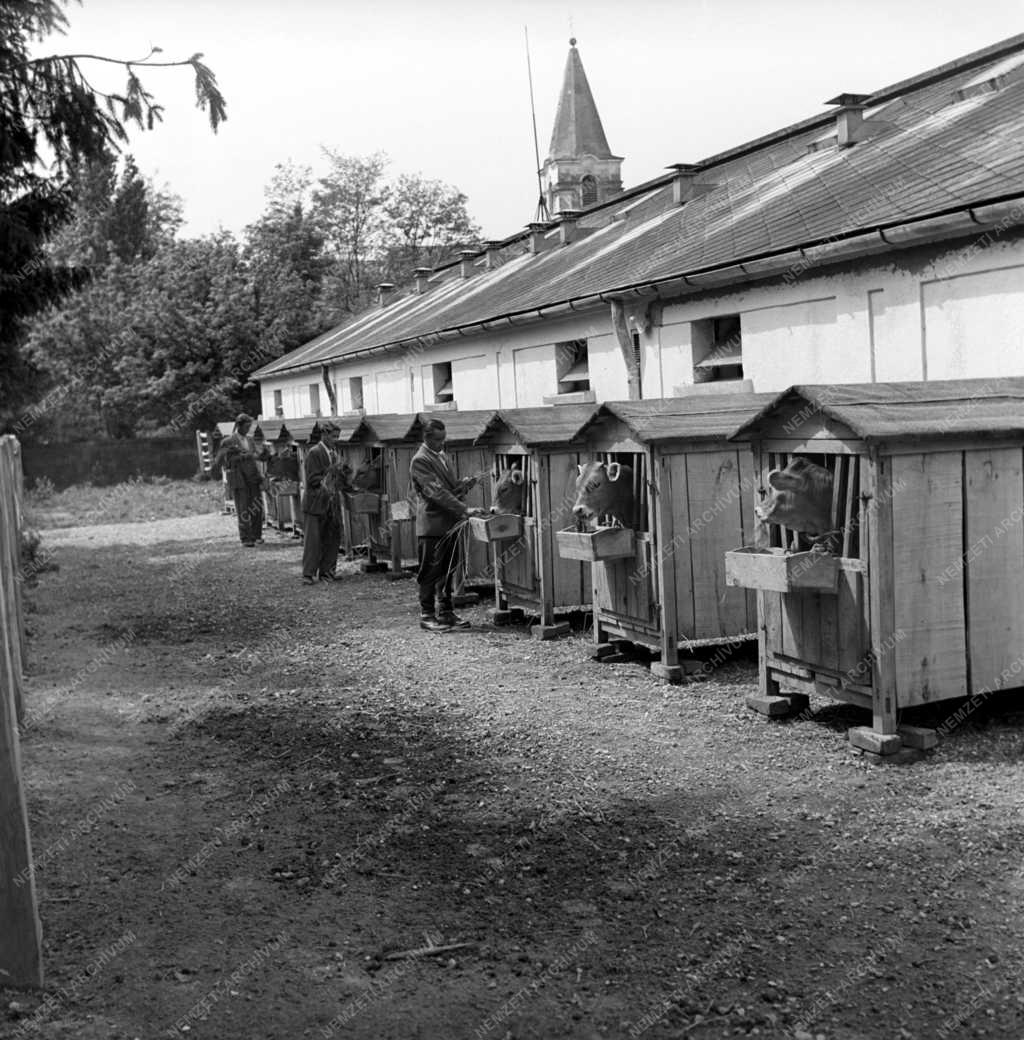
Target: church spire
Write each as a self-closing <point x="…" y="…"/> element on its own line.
<point x="578" y="129"/>
<point x="580" y="169"/>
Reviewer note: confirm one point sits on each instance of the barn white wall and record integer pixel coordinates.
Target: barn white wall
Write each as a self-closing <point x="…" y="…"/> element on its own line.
<point x="903" y="315"/>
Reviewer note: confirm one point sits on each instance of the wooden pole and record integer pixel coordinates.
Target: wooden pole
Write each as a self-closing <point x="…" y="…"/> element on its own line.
<point x="625" y="341"/>
<point x="21" y="961"/>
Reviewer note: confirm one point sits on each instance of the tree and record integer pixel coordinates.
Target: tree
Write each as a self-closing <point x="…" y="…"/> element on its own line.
<point x="427" y="223"/>
<point x="48" y="110"/>
<point x="158" y="343"/>
<point x="348" y="205"/>
<point x="378" y="230"/>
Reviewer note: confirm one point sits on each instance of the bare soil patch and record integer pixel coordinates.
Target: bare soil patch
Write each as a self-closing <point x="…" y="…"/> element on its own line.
<point x="248" y="797"/>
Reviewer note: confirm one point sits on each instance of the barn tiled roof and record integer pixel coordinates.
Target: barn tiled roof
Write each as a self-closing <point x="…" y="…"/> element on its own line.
<point x="393" y="427"/>
<point x="897" y="411"/>
<point x="462" y="427"/>
<point x="301" y="429"/>
<point x="695" y="417"/>
<point x="939" y="143"/>
<point x="544" y="425"/>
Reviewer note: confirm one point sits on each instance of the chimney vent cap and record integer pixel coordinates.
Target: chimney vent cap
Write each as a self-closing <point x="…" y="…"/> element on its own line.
<point x="850" y="100"/>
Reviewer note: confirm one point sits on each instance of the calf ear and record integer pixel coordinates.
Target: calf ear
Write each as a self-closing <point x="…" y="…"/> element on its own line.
<point x="516" y="476"/>
<point x="579" y="467"/>
<point x="614" y="470"/>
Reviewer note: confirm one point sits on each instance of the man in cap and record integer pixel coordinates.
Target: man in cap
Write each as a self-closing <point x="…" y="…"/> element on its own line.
<point x="321" y="508"/>
<point x="439" y="508"/>
<point x="239" y="455"/>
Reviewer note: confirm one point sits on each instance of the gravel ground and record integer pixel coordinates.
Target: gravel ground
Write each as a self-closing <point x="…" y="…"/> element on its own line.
<point x="265" y="810"/>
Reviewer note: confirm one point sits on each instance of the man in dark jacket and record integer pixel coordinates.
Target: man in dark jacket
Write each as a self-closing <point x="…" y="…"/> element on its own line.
<point x="238" y="455"/>
<point x="439" y="508"/>
<point x="321" y="509"/>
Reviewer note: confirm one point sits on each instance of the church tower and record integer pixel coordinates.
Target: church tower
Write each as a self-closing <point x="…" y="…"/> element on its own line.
<point x="580" y="169"/>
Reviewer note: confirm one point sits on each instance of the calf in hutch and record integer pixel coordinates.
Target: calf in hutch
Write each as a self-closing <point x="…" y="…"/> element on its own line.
<point x="889" y="557"/>
<point x="536" y="457"/>
<point x="677" y="492"/>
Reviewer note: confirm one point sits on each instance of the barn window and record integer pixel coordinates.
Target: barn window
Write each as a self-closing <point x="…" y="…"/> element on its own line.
<point x="847" y="518"/>
<point x="572" y="365"/>
<point x="717" y="349"/>
<point x="355" y="392"/>
<point x="278" y="404"/>
<point x="314" y="399"/>
<point x="444" y="390"/>
<point x="588" y="191"/>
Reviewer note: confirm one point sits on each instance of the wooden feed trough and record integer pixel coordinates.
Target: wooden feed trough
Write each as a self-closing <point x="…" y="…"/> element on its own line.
<point x="604" y="543"/>
<point x="928" y="495"/>
<point x="529" y="572"/>
<point x="692" y="502"/>
<point x="499" y="527"/>
<point x="469" y="457"/>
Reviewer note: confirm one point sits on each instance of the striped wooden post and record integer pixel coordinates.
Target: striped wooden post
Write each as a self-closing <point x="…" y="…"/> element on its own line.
<point x="20" y="932"/>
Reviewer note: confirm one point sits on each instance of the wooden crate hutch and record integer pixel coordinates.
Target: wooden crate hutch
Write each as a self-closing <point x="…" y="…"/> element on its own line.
<point x="529" y="572"/>
<point x="928" y="496"/>
<point x="692" y="502"/>
<point x="396" y="436"/>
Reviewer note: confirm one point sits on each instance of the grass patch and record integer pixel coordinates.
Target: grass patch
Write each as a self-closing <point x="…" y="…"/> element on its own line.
<point x="135" y="501"/>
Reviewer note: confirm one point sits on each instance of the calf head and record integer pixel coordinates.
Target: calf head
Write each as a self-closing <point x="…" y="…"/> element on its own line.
<point x="367" y="476"/>
<point x="799" y="497"/>
<point x="510" y="492"/>
<point x="603" y="489"/>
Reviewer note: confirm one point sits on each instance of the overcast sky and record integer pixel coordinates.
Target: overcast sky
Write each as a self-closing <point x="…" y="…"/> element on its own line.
<point x="441" y="85"/>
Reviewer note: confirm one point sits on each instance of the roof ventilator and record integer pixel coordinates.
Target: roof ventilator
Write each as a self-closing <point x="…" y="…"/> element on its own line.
<point x="467" y="259"/>
<point x="567" y="230"/>
<point x="685" y="186"/>
<point x="538" y="229"/>
<point x="385" y="290"/>
<point x="851" y="126"/>
<point x="422" y="274"/>
<point x="492" y="253"/>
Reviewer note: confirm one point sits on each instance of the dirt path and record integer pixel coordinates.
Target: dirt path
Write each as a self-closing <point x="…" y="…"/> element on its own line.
<point x="248" y="796"/>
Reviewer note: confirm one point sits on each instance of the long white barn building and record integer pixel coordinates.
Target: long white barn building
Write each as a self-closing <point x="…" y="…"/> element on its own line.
<point x="880" y="240"/>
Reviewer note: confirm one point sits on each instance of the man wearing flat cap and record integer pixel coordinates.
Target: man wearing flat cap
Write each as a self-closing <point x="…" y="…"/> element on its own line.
<point x="239" y="456"/>
<point x="321" y="508"/>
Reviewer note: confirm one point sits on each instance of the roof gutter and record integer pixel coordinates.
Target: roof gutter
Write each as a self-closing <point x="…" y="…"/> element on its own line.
<point x="791" y="264"/>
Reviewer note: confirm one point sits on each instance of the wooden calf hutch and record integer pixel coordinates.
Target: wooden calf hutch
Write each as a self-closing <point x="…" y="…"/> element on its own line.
<point x="692" y="501"/>
<point x="529" y="572"/>
<point x="396" y="437"/>
<point x="925" y="598"/>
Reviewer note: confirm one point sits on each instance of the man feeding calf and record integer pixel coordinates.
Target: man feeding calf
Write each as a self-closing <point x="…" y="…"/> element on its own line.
<point x="440" y="515"/>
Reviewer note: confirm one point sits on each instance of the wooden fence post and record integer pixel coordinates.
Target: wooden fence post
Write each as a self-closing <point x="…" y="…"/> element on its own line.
<point x="20" y="933"/>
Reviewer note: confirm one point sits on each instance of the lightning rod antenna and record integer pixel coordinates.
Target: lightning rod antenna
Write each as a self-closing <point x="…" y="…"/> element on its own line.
<point x="542" y="206"/>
